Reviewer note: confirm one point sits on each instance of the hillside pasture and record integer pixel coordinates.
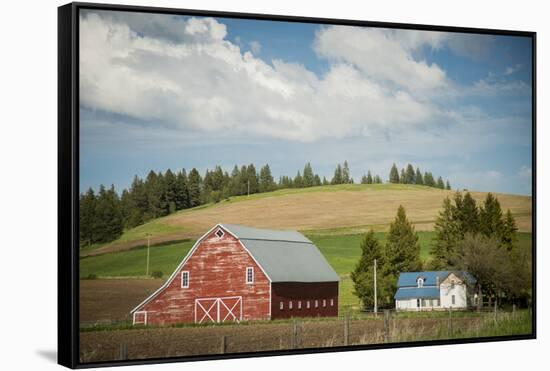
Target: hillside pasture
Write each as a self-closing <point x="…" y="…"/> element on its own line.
<point x="334" y="209"/>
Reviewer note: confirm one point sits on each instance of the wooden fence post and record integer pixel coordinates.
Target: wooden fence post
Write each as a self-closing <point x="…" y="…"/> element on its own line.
<point x="495" y="313"/>
<point x="513" y="311"/>
<point x="294" y="334"/>
<point x="346" y="328"/>
<point x="450" y="323"/>
<point x="386" y="326"/>
<point x="223" y="345"/>
<point x="123" y="351"/>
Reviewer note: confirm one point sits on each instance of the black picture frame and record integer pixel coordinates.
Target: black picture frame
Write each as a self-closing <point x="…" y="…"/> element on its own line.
<point x="68" y="179"/>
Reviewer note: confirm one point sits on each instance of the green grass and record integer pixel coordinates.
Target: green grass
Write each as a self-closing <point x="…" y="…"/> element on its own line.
<point x="341" y="251"/>
<point x="132" y="263"/>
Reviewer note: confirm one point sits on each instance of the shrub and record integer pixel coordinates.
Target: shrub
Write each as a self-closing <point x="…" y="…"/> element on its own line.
<point x="156" y="274"/>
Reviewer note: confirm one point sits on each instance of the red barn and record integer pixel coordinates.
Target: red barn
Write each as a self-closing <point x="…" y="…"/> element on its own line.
<point x="236" y="273"/>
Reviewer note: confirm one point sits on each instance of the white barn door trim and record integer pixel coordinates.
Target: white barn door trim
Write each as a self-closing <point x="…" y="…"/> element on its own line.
<point x="208" y="309"/>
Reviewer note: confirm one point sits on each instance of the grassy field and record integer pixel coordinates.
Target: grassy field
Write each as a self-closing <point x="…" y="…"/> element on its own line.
<point x="349" y="209"/>
<point x="101" y="345"/>
<point x="341" y="251"/>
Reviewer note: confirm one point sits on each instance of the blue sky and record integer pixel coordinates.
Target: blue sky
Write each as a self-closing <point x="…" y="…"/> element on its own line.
<point x="159" y="92"/>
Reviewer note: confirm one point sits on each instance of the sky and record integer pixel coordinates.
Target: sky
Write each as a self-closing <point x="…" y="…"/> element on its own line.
<point x="162" y="91"/>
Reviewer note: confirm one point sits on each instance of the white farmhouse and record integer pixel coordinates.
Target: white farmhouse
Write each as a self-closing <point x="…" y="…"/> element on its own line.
<point x="435" y="290"/>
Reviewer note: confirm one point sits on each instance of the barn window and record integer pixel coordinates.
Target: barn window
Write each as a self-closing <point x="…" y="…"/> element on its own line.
<point x="289" y="305"/>
<point x="140" y="318"/>
<point x="316" y="303"/>
<point x="307" y="304"/>
<point x="250" y="275"/>
<point x="331" y="302"/>
<point x="299" y="304"/>
<point x="219" y="233"/>
<point x="420" y="282"/>
<point x="453" y="299"/>
<point x="185" y="279"/>
<point x="324" y="303"/>
<point x="281" y="305"/>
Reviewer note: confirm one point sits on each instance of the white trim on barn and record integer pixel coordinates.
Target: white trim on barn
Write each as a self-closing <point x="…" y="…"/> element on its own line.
<point x="189" y="254"/>
<point x="144" y="312"/>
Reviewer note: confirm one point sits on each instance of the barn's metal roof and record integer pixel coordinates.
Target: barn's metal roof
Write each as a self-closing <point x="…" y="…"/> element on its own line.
<point x="249" y="233"/>
<point x="416" y="292"/>
<point x="285" y="256"/>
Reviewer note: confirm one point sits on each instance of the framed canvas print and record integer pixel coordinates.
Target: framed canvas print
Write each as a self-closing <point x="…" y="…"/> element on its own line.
<point x="237" y="185"/>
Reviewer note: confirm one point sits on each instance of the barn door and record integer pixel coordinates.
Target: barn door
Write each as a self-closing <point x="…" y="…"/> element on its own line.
<point x="218" y="309"/>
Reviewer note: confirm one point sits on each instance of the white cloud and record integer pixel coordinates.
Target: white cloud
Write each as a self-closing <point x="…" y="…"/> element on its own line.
<point x="512" y="69"/>
<point x="255" y="47"/>
<point x="384" y="55"/>
<point x="197" y="80"/>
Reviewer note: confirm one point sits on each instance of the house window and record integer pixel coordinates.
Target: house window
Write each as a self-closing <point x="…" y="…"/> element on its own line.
<point x="250" y="275"/>
<point x="420" y="282"/>
<point x="331" y="302"/>
<point x="289" y="305"/>
<point x="307" y="304"/>
<point x="184" y="279"/>
<point x="324" y="303"/>
<point x="219" y="233"/>
<point x="424" y="302"/>
<point x="299" y="304"/>
<point x="453" y="299"/>
<point x="436" y="302"/>
<point x="281" y="305"/>
<point x="418" y="303"/>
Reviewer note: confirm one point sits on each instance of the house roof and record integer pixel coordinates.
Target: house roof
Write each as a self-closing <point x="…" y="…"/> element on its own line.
<point x="416" y="292"/>
<point x="408" y="279"/>
<point x="285" y="256"/>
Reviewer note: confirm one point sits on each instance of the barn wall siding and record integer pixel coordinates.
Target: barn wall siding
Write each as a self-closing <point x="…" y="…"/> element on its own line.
<point x="216" y="268"/>
<point x="301" y="291"/>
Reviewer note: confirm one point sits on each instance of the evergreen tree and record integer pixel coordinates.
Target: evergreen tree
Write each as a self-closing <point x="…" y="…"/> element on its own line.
<point x="369" y="177"/>
<point x="509" y="232"/>
<point x="194" y="187"/>
<point x="467" y="214"/>
<point x="316" y="180"/>
<point x="266" y="179"/>
<point x="252" y="179"/>
<point x="88" y="217"/>
<point x="364" y="179"/>
<point x="346" y="178"/>
<point x="377" y="179"/>
<point x="363" y="274"/>
<point x="171" y="189"/>
<point x="447" y="236"/>
<point x="440" y="183"/>
<point x="338" y="175"/>
<point x="429" y="179"/>
<point x="419" y="179"/>
<point x="308" y="178"/>
<point x="138" y="196"/>
<point x="298" y="180"/>
<point x="448" y="186"/>
<point x="394" y="174"/>
<point x="182" y="192"/>
<point x="402" y="247"/>
<point x="109" y="219"/>
<point x="235" y="187"/>
<point x="325" y="181"/>
<point x="153" y="191"/>
<point x="490" y="216"/>
<point x="410" y="175"/>
<point x="402" y="177"/>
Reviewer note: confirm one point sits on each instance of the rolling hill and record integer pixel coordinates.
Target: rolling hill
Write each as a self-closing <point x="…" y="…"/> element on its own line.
<point x="324" y="210"/>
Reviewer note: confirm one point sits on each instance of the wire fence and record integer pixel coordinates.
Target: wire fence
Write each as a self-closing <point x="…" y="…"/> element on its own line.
<point x="350" y="328"/>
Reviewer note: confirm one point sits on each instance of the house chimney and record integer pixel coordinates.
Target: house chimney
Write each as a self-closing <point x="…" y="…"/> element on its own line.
<point x="437" y="281"/>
